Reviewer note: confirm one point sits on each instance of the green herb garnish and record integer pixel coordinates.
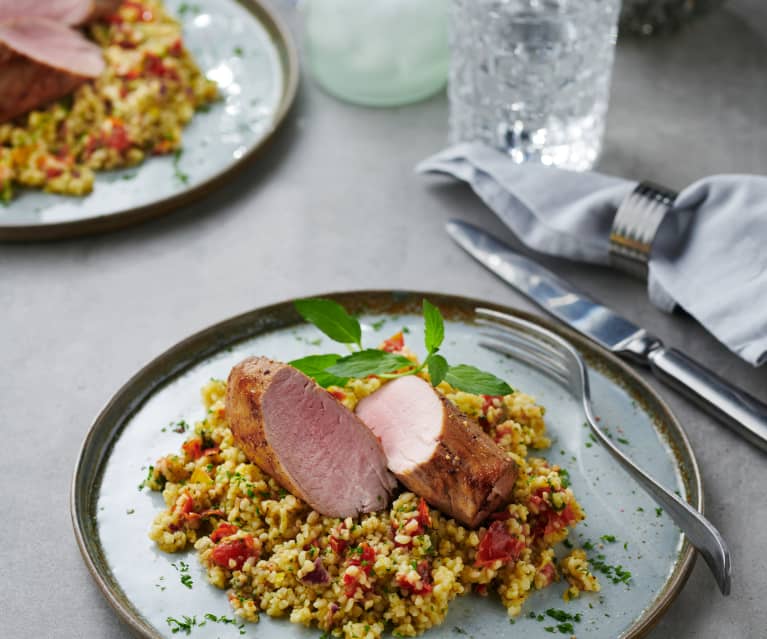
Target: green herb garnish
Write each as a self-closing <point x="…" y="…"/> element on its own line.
<point x="180" y="175"/>
<point x="185" y="624"/>
<point x="316" y="366"/>
<point x="333" y="320"/>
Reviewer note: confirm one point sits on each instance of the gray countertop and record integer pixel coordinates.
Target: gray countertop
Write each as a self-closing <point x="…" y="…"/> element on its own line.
<point x="335" y="205"/>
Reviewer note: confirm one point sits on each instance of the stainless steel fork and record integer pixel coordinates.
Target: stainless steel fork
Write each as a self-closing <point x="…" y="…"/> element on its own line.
<point x="554" y="356"/>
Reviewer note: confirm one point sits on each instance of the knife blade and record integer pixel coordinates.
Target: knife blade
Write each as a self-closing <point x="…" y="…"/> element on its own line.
<point x="734" y="407"/>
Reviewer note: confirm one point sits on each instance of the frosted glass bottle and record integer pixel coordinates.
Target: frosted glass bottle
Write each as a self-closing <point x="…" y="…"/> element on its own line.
<point x="377" y="52"/>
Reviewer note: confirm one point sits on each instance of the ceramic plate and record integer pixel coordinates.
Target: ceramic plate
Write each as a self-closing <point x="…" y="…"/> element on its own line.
<point x="245" y="49"/>
<point x="112" y="516"/>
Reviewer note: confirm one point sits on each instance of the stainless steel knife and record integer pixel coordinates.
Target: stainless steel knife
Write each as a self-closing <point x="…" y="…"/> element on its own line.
<point x="742" y="412"/>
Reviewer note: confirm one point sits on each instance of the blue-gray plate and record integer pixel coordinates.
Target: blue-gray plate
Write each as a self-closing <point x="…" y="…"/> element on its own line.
<point x="112" y="515"/>
<point x="243" y="47"/>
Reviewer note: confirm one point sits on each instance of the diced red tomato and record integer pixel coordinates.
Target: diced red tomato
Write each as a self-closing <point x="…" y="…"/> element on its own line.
<point x="549" y="572"/>
<point x="501" y="515"/>
<point x="497" y="544"/>
<point x="53" y="172"/>
<point x="238" y="550"/>
<point x="365" y="558"/>
<point x="213" y="512"/>
<point x="193" y="448"/>
<point x="424" y="573"/>
<point x="132" y="74"/>
<point x="558" y="520"/>
<point x="424" y="517"/>
<point x="154" y="65"/>
<point x="394" y="344"/>
<point x="350" y="584"/>
<point x="338" y="545"/>
<point x="187" y="505"/>
<point x="176" y="49"/>
<point x="338" y="394"/>
<point x="118" y="137"/>
<point x="487" y="401"/>
<point x="225" y="529"/>
<point x="546" y="519"/>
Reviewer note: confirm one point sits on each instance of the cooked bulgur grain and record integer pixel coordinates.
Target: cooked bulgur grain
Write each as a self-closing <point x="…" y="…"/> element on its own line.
<point x="395" y="569"/>
<point x="149" y="90"/>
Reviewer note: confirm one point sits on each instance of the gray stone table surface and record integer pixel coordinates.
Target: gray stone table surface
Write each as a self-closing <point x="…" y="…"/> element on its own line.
<point x="335" y="205"/>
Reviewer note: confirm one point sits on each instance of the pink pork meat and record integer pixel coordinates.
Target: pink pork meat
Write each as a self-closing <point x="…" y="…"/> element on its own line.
<point x="438" y="452"/>
<point x="301" y="435"/>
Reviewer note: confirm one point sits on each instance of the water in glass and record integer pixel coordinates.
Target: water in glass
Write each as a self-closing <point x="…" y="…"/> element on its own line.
<point x="532" y="77"/>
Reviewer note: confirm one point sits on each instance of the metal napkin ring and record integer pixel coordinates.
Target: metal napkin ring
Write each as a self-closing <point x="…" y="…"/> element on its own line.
<point x="635" y="225"/>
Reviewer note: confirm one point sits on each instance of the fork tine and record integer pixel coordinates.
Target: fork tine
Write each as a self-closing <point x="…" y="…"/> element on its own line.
<point x="524" y="356"/>
<point x="532" y="347"/>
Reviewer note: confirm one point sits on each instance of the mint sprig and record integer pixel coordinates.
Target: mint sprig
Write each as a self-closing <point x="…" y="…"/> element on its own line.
<point x="333" y="370"/>
<point x="370" y="361"/>
<point x="332" y="319"/>
<point x="316" y="366"/>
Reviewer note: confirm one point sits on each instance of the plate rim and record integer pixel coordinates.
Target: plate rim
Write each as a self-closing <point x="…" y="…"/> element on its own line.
<point x="191" y="350"/>
<point x="283" y="40"/>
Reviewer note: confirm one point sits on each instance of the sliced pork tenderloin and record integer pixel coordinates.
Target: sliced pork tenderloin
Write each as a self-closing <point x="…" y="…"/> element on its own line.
<point x="301" y="435"/>
<point x="52" y="44"/>
<point x="438" y="452"/>
<point x="26" y="85"/>
<point x="69" y="12"/>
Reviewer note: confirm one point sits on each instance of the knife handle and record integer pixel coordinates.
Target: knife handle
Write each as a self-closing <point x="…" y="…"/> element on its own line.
<point x="742" y="412"/>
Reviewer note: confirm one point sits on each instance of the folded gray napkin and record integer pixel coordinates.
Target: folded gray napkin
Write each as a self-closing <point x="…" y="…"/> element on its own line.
<point x="710" y="253"/>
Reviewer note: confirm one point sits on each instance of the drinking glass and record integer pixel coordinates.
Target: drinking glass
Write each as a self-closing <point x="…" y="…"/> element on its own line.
<point x="377" y="52"/>
<point x="532" y="77"/>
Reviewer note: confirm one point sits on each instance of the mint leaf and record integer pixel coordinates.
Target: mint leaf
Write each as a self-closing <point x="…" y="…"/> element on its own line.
<point x="371" y="361"/>
<point x="434" y="327"/>
<point x="472" y="380"/>
<point x="437" y="368"/>
<point x="314" y="366"/>
<point x="331" y="318"/>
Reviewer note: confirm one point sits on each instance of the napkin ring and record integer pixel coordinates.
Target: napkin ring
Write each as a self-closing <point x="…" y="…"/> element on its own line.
<point x="635" y="225"/>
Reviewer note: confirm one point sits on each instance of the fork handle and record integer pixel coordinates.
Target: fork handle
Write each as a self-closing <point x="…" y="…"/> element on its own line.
<point x="742" y="412"/>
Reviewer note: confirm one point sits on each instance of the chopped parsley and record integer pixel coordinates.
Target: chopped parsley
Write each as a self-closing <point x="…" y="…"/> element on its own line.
<point x="623" y="440"/>
<point x="185" y="624"/>
<point x="458" y="630"/>
<point x="148" y="478"/>
<point x="658" y="511"/>
<point x="183" y="568"/>
<point x="610" y="539"/>
<point x="180" y="426"/>
<point x="180" y="175"/>
<point x="188" y="8"/>
<point x="564" y="477"/>
<point x="562" y="616"/>
<point x="379" y="324"/>
<point x="209" y="616"/>
<point x="238" y="51"/>
<point x="616" y="574"/>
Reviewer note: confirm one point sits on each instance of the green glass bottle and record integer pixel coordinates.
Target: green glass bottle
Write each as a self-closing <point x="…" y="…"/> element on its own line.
<point x="377" y="52"/>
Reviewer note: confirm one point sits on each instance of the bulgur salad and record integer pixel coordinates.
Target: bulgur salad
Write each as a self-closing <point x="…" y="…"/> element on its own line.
<point x="396" y="569"/>
<point x="149" y="90"/>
